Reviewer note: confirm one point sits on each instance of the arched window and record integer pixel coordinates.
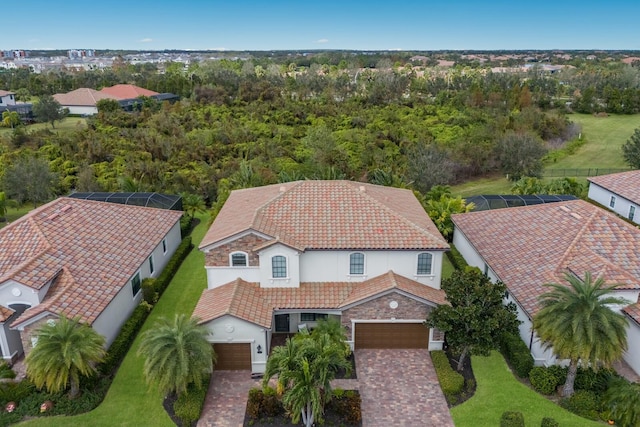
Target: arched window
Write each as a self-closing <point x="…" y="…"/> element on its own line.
<point x="278" y="266"/>
<point x="356" y="263"/>
<point x="424" y="263"/>
<point x="239" y="259"/>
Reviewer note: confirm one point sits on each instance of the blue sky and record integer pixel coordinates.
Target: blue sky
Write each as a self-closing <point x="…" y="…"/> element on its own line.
<point x="329" y="24"/>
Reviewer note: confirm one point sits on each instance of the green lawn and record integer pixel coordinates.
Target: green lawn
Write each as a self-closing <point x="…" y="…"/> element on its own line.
<point x="68" y="123"/>
<point x="13" y="214"/>
<point x="496" y="184"/>
<point x="447" y="267"/>
<point x="498" y="391"/>
<point x="130" y="402"/>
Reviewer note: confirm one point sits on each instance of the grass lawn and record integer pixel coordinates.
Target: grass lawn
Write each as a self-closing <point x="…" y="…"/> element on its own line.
<point x="13" y="214"/>
<point x="496" y="184"/>
<point x="498" y="391"/>
<point x="130" y="402"/>
<point x="68" y="123"/>
<point x="447" y="267"/>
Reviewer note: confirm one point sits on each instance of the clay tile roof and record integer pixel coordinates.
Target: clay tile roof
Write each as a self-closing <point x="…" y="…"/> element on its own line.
<point x="91" y="249"/>
<point x="82" y="97"/>
<point x="328" y="215"/>
<point x="250" y="302"/>
<point x="633" y="311"/>
<point x="624" y="184"/>
<point x="5" y="313"/>
<point x="127" y="91"/>
<point x="530" y="246"/>
<point x="5" y="93"/>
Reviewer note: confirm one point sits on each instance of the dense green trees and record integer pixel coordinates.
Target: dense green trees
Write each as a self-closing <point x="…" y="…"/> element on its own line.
<point x="475" y="317"/>
<point x="64" y="351"/>
<point x="631" y="150"/>
<point x="30" y="179"/>
<point x="48" y="110"/>
<point x="576" y="321"/>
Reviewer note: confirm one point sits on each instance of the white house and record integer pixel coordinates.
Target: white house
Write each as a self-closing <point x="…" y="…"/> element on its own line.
<point x="7" y="98"/>
<point x="82" y="101"/>
<point x="81" y="258"/>
<point x="526" y="247"/>
<point x="619" y="192"/>
<point x="280" y="257"/>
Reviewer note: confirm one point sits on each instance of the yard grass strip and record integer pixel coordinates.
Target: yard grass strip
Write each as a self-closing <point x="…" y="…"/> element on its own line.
<point x="499" y="391"/>
<point x="130" y="402"/>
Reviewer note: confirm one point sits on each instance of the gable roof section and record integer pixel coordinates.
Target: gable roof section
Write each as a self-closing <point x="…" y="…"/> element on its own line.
<point x="82" y="97"/>
<point x="90" y="249"/>
<point x="633" y="311"/>
<point x="123" y="91"/>
<point x="250" y="302"/>
<point x="328" y="215"/>
<point x="624" y="184"/>
<point x="530" y="246"/>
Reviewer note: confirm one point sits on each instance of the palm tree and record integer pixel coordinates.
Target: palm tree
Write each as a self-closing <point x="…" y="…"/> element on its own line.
<point x="65" y="350"/>
<point x="10" y="119"/>
<point x="623" y="400"/>
<point x="177" y="354"/>
<point x="440" y="211"/>
<point x="577" y="323"/>
<point x="305" y="367"/>
<point x="192" y="204"/>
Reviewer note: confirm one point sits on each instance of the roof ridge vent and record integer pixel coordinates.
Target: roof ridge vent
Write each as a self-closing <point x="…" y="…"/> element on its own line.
<point x="565" y="208"/>
<point x="362" y="188"/>
<point x="575" y="215"/>
<point x="66" y="208"/>
<point x="283" y="188"/>
<point x="53" y="216"/>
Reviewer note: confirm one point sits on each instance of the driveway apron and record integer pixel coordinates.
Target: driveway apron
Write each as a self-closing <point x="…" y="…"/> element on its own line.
<point x="226" y="400"/>
<point x="400" y="388"/>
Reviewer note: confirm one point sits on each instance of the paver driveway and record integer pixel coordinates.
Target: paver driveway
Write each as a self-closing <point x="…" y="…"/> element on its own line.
<point x="226" y="400"/>
<point x="400" y="388"/>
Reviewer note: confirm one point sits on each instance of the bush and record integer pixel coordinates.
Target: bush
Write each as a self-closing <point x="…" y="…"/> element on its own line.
<point x="149" y="293"/>
<point x="271" y="406"/>
<point x="512" y="419"/>
<point x="189" y="405"/>
<point x="254" y="403"/>
<point x="185" y="225"/>
<point x="584" y="403"/>
<point x="543" y="380"/>
<point x="456" y="258"/>
<point x="172" y="266"/>
<point x="451" y="381"/>
<point x="596" y="381"/>
<point x="347" y="405"/>
<point x="549" y="422"/>
<point x="120" y="346"/>
<point x="517" y="354"/>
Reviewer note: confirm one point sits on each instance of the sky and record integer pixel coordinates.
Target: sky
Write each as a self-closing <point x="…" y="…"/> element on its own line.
<point x="321" y="24"/>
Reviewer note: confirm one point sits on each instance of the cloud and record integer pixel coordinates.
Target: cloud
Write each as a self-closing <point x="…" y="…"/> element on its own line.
<point x="146" y="40"/>
<point x="322" y="41"/>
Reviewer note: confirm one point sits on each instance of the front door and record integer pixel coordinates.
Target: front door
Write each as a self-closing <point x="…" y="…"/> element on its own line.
<point x="282" y="323"/>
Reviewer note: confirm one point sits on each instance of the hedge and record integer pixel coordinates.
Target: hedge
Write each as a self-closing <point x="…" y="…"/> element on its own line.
<point x="163" y="280"/>
<point x="512" y="419"/>
<point x="456" y="258"/>
<point x="584" y="403"/>
<point x="188" y="406"/>
<point x="451" y="381"/>
<point x="517" y="354"/>
<point x="549" y="422"/>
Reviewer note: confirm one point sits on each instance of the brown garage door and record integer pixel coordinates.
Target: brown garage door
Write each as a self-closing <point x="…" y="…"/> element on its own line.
<point x="233" y="357"/>
<point x="391" y="335"/>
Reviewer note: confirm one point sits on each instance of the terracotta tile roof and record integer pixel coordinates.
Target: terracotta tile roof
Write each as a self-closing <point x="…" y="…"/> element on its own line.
<point x="5" y="313"/>
<point x="91" y="249"/>
<point x="127" y="91"/>
<point x="82" y="97"/>
<point x="529" y="246"/>
<point x="250" y="302"/>
<point x="328" y="215"/>
<point x="633" y="311"/>
<point x="6" y="92"/>
<point x="624" y="184"/>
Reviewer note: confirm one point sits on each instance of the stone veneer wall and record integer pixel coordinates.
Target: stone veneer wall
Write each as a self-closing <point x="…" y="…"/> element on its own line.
<point x="379" y="309"/>
<point x="25" y="335"/>
<point x="219" y="256"/>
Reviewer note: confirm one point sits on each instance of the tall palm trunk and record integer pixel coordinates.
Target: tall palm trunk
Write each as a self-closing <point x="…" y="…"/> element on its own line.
<point x="307" y="415"/>
<point x="567" y="389"/>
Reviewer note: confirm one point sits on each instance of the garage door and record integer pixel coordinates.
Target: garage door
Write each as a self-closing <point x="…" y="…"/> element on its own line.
<point x="391" y="335"/>
<point x="233" y="357"/>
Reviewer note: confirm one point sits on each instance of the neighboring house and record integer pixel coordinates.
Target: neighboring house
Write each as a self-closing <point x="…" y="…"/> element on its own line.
<point x="123" y="91"/>
<point x="526" y="247"/>
<point x="8" y="102"/>
<point x="82" y="101"/>
<point x="281" y="257"/>
<point x="619" y="192"/>
<point x="79" y="258"/>
<point x="7" y="98"/>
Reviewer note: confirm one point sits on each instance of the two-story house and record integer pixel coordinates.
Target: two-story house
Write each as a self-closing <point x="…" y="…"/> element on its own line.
<point x="619" y="192"/>
<point x="6" y="99"/>
<point x="281" y="257"/>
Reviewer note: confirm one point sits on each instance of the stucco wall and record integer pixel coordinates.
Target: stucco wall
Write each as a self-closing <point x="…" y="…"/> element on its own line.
<point x="82" y="110"/>
<point x="621" y="207"/>
<point x="293" y="267"/>
<point x="230" y="329"/>
<point x="632" y="355"/>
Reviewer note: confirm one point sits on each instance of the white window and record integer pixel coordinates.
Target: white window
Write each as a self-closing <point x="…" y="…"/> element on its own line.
<point x="278" y="267"/>
<point x="356" y="263"/>
<point x="632" y="212"/>
<point x="612" y="202"/>
<point x="425" y="261"/>
<point x="239" y="259"/>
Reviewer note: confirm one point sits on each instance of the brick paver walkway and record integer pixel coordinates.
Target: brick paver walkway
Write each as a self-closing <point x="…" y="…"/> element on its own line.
<point x="226" y="400"/>
<point x="400" y="388"/>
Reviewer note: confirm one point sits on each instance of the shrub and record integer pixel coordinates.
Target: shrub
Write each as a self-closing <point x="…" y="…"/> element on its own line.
<point x="149" y="293"/>
<point x="347" y="404"/>
<point x="6" y="371"/>
<point x="123" y="341"/>
<point x="517" y="354"/>
<point x="185" y="225"/>
<point x="271" y="405"/>
<point x="596" y="381"/>
<point x="549" y="422"/>
<point x="451" y="381"/>
<point x="584" y="403"/>
<point x="512" y="419"/>
<point x="543" y="380"/>
<point x="172" y="266"/>
<point x="560" y="372"/>
<point x="254" y="403"/>
<point x="189" y="405"/>
<point x="456" y="258"/>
